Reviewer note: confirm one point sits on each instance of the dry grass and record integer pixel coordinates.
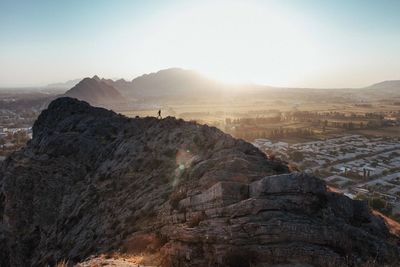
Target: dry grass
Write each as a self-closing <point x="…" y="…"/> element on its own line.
<point x="121" y="259"/>
<point x="63" y="263"/>
<point x="152" y="259"/>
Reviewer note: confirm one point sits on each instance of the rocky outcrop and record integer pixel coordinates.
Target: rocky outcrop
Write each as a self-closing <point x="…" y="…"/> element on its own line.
<point x="93" y="182"/>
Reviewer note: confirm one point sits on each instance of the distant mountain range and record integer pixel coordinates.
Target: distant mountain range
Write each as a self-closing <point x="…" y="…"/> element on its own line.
<point x="168" y="82"/>
<point x="177" y="84"/>
<point x="95" y="91"/>
<point x="165" y="84"/>
<point x="64" y="85"/>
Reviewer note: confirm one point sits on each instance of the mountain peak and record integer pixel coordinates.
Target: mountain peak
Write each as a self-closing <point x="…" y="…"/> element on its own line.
<point x="95" y="77"/>
<point x="95" y="91"/>
<point x="63" y="108"/>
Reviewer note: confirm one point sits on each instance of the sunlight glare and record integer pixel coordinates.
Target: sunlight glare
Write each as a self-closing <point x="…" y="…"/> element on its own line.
<point x="238" y="42"/>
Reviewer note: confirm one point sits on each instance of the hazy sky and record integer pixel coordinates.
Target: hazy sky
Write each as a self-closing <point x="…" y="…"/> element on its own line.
<point x="308" y="43"/>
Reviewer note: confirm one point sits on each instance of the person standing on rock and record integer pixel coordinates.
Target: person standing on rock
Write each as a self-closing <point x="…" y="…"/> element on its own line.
<point x="159" y="114"/>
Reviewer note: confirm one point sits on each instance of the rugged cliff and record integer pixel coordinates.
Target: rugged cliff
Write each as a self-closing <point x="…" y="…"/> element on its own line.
<point x="94" y="182"/>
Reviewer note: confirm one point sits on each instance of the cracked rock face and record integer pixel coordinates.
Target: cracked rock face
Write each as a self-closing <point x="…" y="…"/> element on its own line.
<point x="92" y="182"/>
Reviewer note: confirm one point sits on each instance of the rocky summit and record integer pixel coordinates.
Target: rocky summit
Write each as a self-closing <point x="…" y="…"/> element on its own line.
<point x="93" y="183"/>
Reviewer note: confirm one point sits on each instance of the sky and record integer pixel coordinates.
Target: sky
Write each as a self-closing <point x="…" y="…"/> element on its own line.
<point x="297" y="43"/>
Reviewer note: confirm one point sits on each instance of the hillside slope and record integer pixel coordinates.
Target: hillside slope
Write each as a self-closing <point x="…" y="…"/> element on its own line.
<point x="92" y="182"/>
<point x="392" y="84"/>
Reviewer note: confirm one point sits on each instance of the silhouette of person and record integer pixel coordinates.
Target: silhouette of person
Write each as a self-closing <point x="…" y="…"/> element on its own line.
<point x="159" y="114"/>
